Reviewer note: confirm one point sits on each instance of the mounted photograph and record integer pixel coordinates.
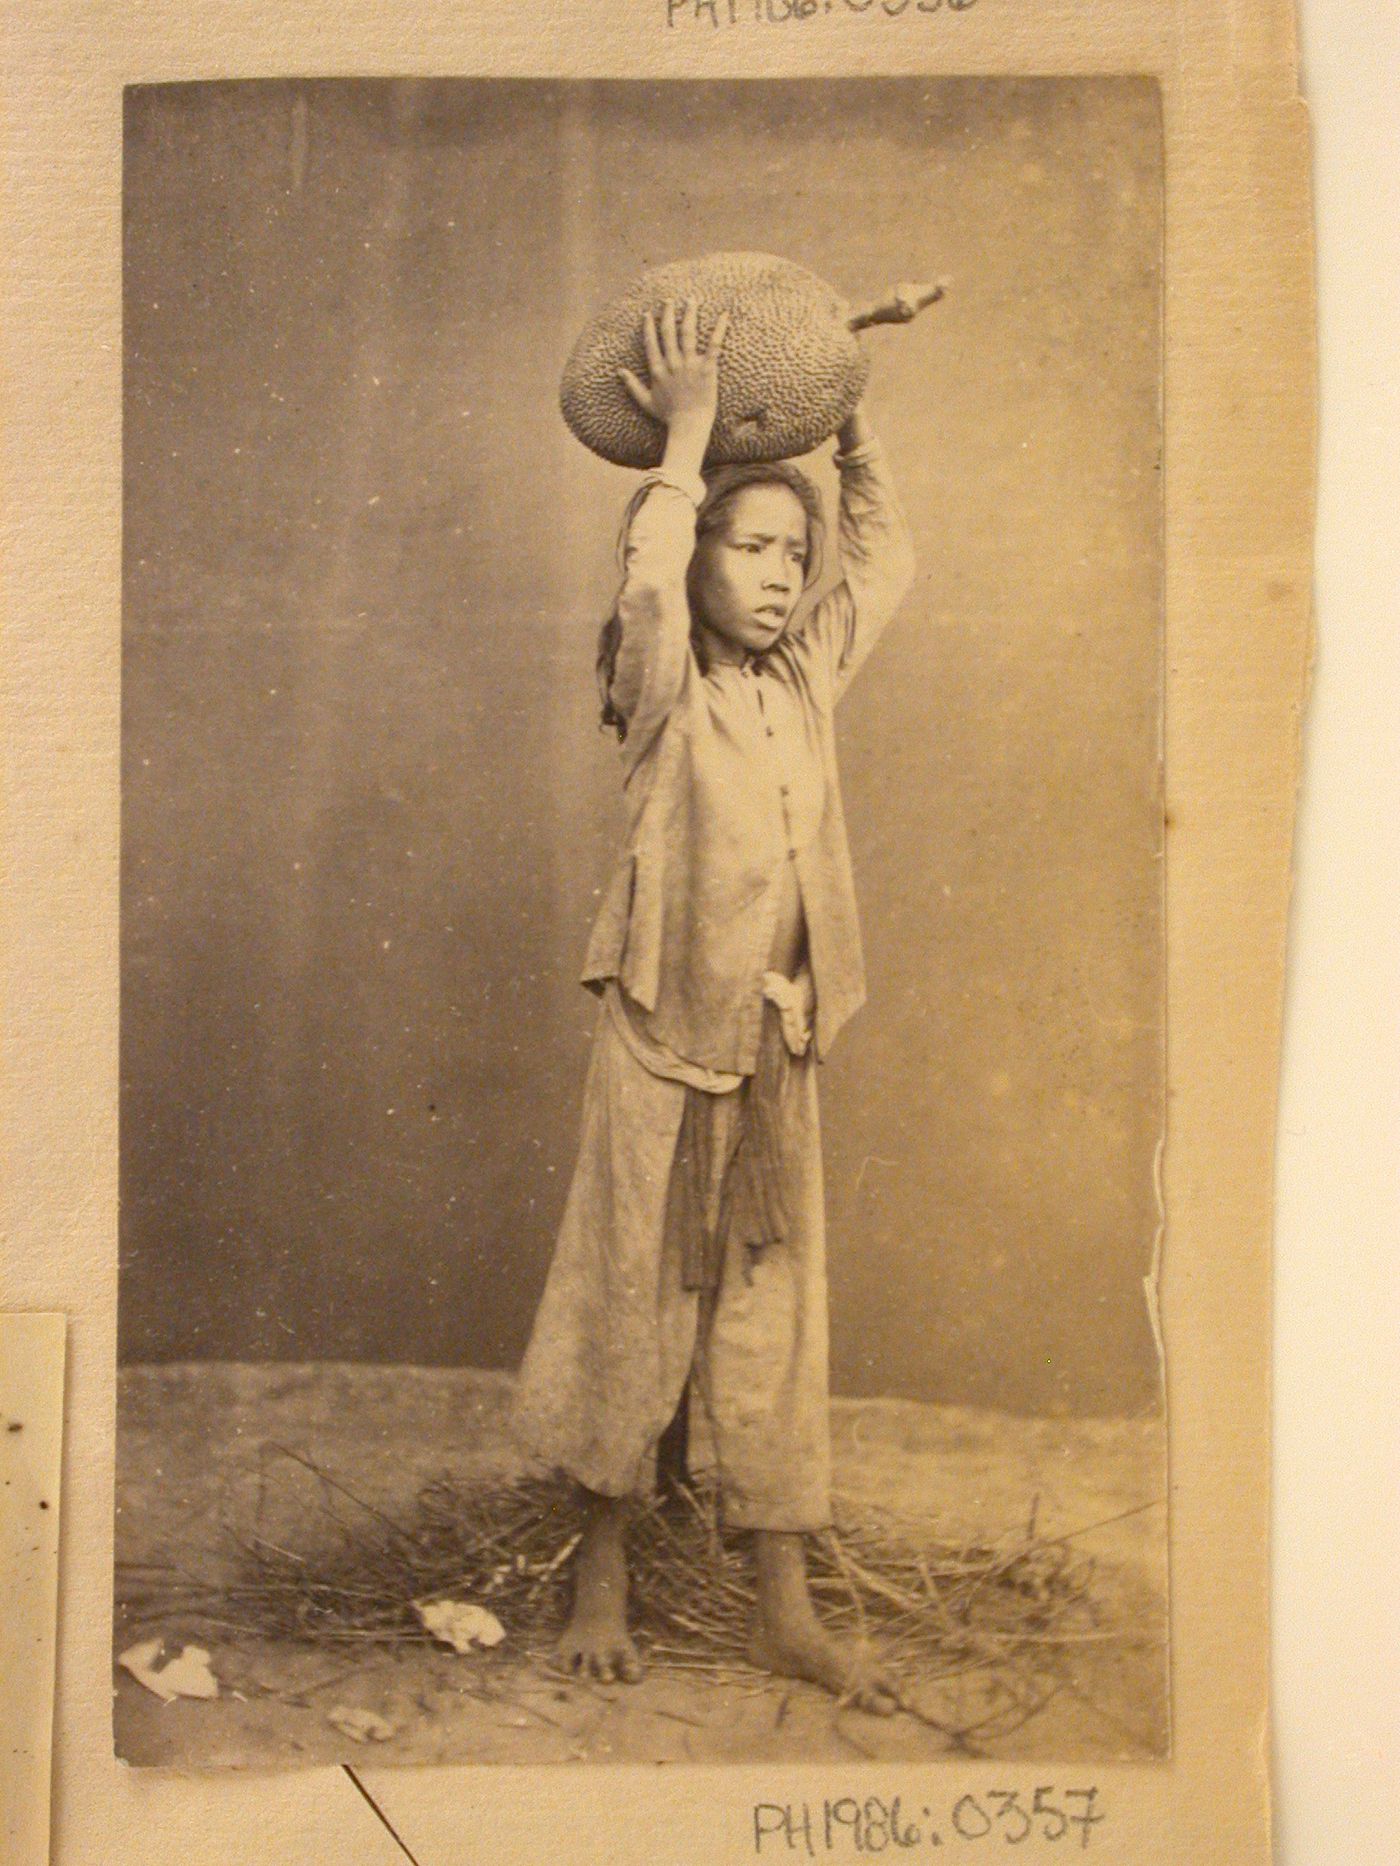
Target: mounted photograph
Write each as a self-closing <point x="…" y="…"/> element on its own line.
<point x="642" y="1024"/>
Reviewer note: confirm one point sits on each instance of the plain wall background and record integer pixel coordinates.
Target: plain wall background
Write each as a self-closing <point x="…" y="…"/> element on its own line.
<point x="366" y="806"/>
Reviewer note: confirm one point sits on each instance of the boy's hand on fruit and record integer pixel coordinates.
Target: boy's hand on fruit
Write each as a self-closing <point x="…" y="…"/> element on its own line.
<point x="683" y="384"/>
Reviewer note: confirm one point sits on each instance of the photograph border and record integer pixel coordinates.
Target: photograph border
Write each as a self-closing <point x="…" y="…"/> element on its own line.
<point x="1239" y="512"/>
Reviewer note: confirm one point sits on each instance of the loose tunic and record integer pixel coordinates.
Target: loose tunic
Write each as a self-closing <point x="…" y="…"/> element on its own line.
<point x="713" y="812"/>
<point x="730" y="780"/>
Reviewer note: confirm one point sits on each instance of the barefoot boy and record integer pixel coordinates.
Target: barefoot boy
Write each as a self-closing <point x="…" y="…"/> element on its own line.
<point x="727" y="953"/>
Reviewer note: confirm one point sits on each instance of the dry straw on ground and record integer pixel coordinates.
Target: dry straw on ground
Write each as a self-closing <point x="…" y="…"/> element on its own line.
<point x="976" y="1634"/>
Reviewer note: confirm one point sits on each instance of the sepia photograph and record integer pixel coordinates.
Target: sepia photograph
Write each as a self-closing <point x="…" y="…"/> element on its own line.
<point x="642" y="1032"/>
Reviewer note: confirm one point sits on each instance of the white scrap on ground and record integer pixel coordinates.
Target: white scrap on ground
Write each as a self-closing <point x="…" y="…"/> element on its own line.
<point x="171" y="1671"/>
<point x="459" y="1624"/>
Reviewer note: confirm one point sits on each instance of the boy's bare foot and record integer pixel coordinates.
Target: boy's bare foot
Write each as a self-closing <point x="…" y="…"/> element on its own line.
<point x="596" y="1643"/>
<point x="789" y="1638"/>
<point x="842" y="1669"/>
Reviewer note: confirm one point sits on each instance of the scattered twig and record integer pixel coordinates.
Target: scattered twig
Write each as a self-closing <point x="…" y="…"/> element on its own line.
<point x="994" y="1621"/>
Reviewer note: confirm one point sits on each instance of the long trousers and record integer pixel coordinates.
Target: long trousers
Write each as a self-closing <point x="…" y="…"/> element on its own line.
<point x="618" y="1334"/>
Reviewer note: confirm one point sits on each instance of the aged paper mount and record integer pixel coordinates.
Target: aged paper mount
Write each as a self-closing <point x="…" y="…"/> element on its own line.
<point x="1238" y="502"/>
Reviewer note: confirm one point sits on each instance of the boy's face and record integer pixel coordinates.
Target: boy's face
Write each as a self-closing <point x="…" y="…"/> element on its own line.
<point x="747" y="573"/>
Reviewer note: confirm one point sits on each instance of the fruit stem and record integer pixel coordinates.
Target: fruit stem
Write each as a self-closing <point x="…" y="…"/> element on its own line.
<point x="900" y="305"/>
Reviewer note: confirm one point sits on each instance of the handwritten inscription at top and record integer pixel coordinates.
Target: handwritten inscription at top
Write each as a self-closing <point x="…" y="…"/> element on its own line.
<point x="717" y="13"/>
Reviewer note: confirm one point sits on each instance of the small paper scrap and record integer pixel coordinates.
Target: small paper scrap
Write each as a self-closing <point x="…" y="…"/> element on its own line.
<point x="459" y="1625"/>
<point x="361" y="1725"/>
<point x="171" y="1671"/>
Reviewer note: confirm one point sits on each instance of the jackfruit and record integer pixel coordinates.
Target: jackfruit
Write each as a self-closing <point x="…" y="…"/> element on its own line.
<point x="790" y="373"/>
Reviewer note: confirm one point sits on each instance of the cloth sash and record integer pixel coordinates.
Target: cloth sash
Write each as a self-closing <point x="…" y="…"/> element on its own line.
<point x="729" y="1175"/>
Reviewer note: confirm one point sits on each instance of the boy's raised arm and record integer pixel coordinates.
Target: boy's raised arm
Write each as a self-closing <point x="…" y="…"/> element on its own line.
<point x="876" y="556"/>
<point x="652" y="611"/>
<point x="652" y="606"/>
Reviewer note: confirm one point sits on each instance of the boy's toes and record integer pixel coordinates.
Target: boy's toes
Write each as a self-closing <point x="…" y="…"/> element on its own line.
<point x="615" y="1665"/>
<point x="600" y="1654"/>
<point x="629" y="1667"/>
<point x="805" y="1650"/>
<point x="619" y="1663"/>
<point x="876" y="1695"/>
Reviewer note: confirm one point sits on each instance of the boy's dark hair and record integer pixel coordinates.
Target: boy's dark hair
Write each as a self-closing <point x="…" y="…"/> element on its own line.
<point x="721" y="487"/>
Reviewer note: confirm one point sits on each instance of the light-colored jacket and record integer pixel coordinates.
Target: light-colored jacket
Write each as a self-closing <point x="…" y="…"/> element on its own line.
<point x="687" y="918"/>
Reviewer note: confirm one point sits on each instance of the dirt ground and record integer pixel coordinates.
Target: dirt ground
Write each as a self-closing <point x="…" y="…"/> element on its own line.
<point x="195" y="1446"/>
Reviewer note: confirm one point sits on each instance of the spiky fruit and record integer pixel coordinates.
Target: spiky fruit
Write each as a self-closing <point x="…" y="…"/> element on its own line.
<point x="790" y="373"/>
